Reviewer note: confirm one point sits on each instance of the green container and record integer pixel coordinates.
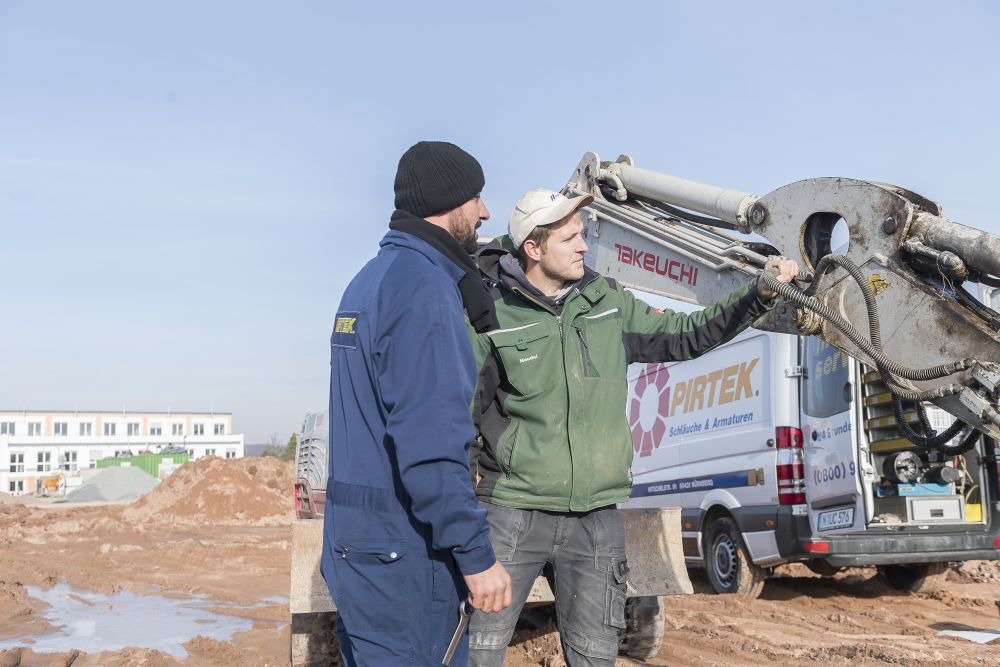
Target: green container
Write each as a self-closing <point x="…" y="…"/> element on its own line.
<point x="151" y="463"/>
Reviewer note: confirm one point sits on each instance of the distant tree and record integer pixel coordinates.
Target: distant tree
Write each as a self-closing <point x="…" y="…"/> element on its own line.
<point x="274" y="447"/>
<point x="289" y="453"/>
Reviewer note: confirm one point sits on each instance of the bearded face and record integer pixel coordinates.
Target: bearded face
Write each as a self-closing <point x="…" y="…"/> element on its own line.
<point x="463" y="223"/>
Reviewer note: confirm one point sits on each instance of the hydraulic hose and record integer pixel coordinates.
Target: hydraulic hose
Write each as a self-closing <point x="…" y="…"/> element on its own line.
<point x="930" y="438"/>
<point x="811" y="303"/>
<point x="887" y="367"/>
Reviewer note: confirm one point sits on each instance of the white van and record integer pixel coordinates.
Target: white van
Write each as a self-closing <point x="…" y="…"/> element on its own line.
<point x="780" y="448"/>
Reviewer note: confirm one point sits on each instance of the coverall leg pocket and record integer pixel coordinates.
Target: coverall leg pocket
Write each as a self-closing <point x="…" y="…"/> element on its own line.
<point x="375" y="578"/>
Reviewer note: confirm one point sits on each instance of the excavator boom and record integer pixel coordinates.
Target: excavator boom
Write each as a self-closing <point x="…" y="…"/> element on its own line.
<point x="695" y="242"/>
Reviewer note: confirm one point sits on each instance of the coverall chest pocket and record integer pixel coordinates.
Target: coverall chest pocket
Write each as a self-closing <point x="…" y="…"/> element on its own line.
<point x="599" y="337"/>
<point x="374" y="575"/>
<point x="528" y="356"/>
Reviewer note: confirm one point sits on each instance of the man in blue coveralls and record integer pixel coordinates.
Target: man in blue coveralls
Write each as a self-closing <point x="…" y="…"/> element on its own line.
<point x="404" y="537"/>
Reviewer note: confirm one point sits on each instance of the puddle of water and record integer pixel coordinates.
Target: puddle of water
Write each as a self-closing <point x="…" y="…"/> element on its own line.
<point x="95" y="622"/>
<point x="280" y="599"/>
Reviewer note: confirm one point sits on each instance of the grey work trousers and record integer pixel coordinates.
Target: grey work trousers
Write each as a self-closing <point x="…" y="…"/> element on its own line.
<point x="587" y="553"/>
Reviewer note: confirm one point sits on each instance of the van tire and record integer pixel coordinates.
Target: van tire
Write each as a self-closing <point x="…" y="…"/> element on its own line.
<point x="729" y="568"/>
<point x="915" y="577"/>
<point x="644" y="626"/>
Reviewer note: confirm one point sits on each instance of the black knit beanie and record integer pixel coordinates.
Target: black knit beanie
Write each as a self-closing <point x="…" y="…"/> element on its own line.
<point x="435" y="176"/>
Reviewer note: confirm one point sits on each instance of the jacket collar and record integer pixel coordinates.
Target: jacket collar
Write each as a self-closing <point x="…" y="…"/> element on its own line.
<point x="591" y="286"/>
<point x="408" y="231"/>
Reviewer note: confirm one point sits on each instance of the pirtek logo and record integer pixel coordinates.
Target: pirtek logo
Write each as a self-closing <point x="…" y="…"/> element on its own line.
<point x="345" y="325"/>
<point x="720" y="387"/>
<point x="671" y="268"/>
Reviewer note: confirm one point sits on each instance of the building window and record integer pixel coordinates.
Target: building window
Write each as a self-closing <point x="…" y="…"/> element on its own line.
<point x="44" y="461"/>
<point x="34" y="428"/>
<point x="17" y="461"/>
<point x="177" y="429"/>
<point x="220" y="429"/>
<point x="86" y="428"/>
<point x="156" y="429"/>
<point x="17" y="486"/>
<point x="230" y="453"/>
<point x="133" y="428"/>
<point x="95" y="456"/>
<point x="199" y="429"/>
<point x="209" y="452"/>
<point x="109" y="428"/>
<point x="69" y="461"/>
<point x="6" y="428"/>
<point x="60" y="428"/>
<point x="190" y="453"/>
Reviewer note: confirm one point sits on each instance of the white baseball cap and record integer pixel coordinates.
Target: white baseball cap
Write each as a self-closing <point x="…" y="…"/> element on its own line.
<point x="541" y="207"/>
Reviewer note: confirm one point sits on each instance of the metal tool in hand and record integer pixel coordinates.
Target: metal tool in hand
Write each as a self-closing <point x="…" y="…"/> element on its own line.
<point x="465" y="610"/>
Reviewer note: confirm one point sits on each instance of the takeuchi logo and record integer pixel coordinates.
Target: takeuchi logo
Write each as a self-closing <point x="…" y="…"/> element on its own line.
<point x="648" y="409"/>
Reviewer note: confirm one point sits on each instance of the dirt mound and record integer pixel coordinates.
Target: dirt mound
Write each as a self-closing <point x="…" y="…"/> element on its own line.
<point x="212" y="491"/>
<point x="976" y="572"/>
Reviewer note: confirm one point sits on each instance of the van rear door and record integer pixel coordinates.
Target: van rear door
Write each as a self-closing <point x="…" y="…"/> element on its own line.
<point x="830" y="433"/>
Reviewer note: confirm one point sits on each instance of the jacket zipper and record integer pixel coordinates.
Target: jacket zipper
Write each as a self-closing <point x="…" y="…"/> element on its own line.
<point x="508" y="469"/>
<point x="584" y="353"/>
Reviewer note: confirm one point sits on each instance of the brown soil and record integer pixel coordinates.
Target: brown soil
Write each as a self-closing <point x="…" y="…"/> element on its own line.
<point x="221" y="529"/>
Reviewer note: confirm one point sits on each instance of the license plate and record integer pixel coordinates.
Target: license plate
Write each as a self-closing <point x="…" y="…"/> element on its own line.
<point x="835" y="519"/>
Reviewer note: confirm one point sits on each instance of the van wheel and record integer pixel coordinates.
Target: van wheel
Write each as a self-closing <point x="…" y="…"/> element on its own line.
<point x="644" y="626"/>
<point x="915" y="577"/>
<point x="729" y="568"/>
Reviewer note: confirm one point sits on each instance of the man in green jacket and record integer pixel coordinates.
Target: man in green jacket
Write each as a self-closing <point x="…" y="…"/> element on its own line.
<point x="550" y="405"/>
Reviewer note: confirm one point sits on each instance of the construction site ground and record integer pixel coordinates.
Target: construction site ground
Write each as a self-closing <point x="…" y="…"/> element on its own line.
<point x="220" y="529"/>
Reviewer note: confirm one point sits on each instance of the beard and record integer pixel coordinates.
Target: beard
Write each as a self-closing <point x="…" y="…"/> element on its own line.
<point x="463" y="230"/>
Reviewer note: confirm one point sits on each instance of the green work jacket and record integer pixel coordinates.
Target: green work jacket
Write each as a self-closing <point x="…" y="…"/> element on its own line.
<point x="550" y="401"/>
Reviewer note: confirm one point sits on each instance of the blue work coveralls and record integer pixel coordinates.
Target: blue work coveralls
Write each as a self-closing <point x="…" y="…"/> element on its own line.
<point x="401" y="522"/>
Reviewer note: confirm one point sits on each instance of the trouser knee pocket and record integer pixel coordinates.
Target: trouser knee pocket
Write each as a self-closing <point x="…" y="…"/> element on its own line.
<point x="614" y="608"/>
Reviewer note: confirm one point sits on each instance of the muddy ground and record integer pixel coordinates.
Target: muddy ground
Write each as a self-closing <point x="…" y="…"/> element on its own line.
<point x="221" y="529"/>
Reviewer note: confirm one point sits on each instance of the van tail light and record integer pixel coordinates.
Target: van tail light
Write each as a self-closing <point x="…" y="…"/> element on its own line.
<point x="790" y="469"/>
<point x="295" y="495"/>
<point x="816" y="546"/>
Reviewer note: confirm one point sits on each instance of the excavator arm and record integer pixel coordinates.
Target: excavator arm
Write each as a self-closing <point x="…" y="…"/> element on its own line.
<point x="892" y="298"/>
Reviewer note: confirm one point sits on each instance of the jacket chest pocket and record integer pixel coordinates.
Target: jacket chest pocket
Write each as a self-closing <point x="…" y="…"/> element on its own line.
<point x="602" y="351"/>
<point x="527" y="355"/>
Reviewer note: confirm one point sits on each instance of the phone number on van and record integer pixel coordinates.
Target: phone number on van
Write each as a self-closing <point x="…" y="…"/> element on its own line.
<point x="834" y="472"/>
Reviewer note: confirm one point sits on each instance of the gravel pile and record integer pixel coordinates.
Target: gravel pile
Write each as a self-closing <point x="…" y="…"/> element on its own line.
<point x="113" y="484"/>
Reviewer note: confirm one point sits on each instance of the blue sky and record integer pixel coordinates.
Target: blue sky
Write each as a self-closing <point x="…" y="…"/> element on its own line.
<point x="186" y="187"/>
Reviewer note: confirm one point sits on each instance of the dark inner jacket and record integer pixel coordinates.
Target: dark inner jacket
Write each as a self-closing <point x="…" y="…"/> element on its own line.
<point x="475" y="296"/>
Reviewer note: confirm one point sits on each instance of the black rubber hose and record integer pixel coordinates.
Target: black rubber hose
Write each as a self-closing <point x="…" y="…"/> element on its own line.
<point x="886" y="366"/>
<point x="830" y="261"/>
<point x="930" y="439"/>
<point x="967" y="443"/>
<point x="825" y="264"/>
<point x="795" y="296"/>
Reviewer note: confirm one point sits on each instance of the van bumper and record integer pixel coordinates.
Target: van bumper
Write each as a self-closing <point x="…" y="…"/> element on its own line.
<point x="886" y="548"/>
<point x="899" y="549"/>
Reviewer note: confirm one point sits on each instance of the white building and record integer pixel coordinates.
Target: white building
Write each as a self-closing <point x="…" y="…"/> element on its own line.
<point x="35" y="446"/>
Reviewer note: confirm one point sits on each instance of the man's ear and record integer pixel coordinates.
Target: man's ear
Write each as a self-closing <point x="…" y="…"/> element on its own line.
<point x="532" y="250"/>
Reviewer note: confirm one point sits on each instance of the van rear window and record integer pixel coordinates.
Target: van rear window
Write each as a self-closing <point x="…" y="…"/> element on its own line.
<point x="827" y="373"/>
